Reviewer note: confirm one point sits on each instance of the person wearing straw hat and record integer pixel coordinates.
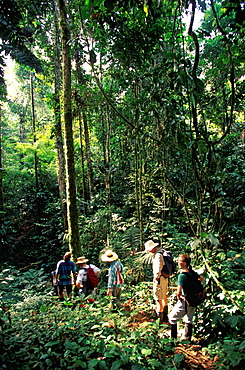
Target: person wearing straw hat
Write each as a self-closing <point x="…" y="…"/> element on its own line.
<point x="81" y="282"/>
<point x="160" y="283"/>
<point x="115" y="279"/>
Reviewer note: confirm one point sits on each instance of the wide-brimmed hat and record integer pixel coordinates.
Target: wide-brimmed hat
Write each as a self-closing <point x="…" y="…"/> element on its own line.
<point x="109" y="256"/>
<point x="150" y="245"/>
<point x="81" y="260"/>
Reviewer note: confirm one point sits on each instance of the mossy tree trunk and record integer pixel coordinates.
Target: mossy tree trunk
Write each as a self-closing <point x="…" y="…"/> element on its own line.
<point x="71" y="193"/>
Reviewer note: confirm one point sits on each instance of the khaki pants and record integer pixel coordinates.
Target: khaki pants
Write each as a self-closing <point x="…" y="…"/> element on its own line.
<point x="180" y="310"/>
<point x="160" y="289"/>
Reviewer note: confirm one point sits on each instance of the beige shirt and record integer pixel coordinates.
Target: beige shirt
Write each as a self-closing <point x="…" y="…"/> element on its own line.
<point x="157" y="264"/>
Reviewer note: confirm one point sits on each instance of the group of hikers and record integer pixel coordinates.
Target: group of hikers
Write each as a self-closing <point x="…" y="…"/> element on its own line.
<point x="84" y="273"/>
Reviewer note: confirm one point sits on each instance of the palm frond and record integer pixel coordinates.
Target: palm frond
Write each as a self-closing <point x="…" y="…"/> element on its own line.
<point x="131" y="238"/>
<point x="24" y="56"/>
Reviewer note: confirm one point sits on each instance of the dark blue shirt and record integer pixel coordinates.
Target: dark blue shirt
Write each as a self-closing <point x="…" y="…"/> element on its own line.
<point x="64" y="270"/>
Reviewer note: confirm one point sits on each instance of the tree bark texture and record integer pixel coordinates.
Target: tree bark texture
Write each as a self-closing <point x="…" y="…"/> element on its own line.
<point x="34" y="132"/>
<point x="71" y="194"/>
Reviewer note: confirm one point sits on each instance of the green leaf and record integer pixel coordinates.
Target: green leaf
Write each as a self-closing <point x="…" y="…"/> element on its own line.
<point x="213" y="240"/>
<point x="146" y="351"/>
<point x="178" y="357"/>
<point x="92" y="363"/>
<point x="82" y="364"/>
<point x="137" y="367"/>
<point x="43" y="308"/>
<point x="71" y="345"/>
<point x="235" y="357"/>
<point x="52" y="343"/>
<point x="233" y="320"/>
<point x="116" y="365"/>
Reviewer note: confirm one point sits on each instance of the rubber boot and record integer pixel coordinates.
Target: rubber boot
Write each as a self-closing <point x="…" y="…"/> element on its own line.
<point x="161" y="317"/>
<point x="173" y="328"/>
<point x="188" y="331"/>
<point x="165" y="314"/>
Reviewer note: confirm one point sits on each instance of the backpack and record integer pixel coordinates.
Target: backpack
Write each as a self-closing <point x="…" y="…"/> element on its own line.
<point x="119" y="280"/>
<point x="170" y="266"/>
<point x="197" y="295"/>
<point x="92" y="279"/>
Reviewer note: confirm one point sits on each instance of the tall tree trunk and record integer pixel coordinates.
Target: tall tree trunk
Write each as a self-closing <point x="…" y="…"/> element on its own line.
<point x="88" y="156"/>
<point x="58" y="126"/>
<point x="108" y="157"/>
<point x="34" y="132"/>
<point x="138" y="170"/>
<point x="80" y="107"/>
<point x="84" y="186"/>
<point x="138" y="187"/>
<point x="71" y="193"/>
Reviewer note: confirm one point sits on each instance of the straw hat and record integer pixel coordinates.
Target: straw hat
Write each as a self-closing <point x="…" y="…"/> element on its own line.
<point x="81" y="260"/>
<point x="109" y="256"/>
<point x="150" y="245"/>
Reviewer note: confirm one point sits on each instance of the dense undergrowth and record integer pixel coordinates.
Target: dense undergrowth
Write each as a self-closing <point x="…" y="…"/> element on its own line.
<point x="40" y="332"/>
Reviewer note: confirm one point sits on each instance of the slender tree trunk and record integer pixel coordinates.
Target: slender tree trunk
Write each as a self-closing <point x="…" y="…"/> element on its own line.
<point x="80" y="107"/>
<point x="72" y="211"/>
<point x="58" y="125"/>
<point x="138" y="187"/>
<point x="34" y="131"/>
<point x="108" y="157"/>
<point x="138" y="171"/>
<point x="88" y="156"/>
<point x="84" y="187"/>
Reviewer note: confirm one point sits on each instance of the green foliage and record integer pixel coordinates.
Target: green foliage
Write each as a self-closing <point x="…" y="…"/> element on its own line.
<point x="45" y="333"/>
<point x="229" y="354"/>
<point x="38" y="331"/>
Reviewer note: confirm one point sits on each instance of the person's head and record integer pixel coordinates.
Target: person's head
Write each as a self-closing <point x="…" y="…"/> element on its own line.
<point x="67" y="256"/>
<point x="151" y="246"/>
<point x="184" y="261"/>
<point x="109" y="256"/>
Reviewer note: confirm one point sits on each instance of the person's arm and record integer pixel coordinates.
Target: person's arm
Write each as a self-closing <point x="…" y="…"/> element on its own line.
<point x="158" y="263"/>
<point x="179" y="292"/>
<point x="201" y="278"/>
<point x="96" y="270"/>
<point x="57" y="272"/>
<point x="111" y="280"/>
<point x="79" y="280"/>
<point x="79" y="285"/>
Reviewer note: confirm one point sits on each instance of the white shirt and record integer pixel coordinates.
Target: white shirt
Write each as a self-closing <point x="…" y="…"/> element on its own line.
<point x="157" y="263"/>
<point x="82" y="273"/>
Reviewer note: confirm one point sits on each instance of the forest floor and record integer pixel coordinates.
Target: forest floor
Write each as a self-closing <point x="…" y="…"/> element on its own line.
<point x="195" y="357"/>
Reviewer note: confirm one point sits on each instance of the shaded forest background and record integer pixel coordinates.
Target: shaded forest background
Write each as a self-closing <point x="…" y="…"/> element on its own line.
<point x="123" y="121"/>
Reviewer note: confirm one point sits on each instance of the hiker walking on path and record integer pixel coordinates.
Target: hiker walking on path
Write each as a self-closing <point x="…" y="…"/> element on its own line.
<point x="186" y="284"/>
<point x="87" y="277"/>
<point x="115" y="279"/>
<point x="64" y="271"/>
<point x="160" y="280"/>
